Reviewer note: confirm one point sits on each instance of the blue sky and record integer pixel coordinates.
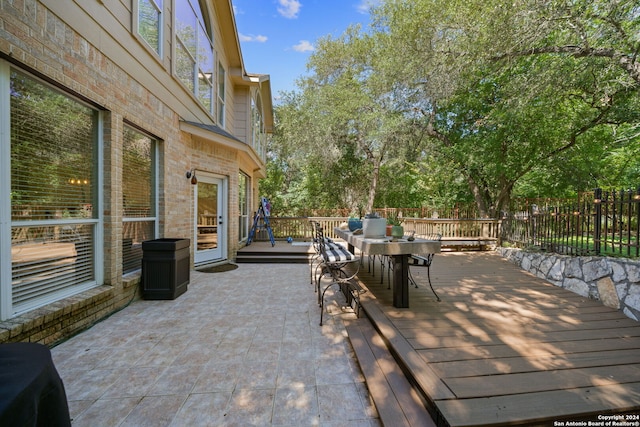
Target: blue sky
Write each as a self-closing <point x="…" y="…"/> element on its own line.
<point x="278" y="36"/>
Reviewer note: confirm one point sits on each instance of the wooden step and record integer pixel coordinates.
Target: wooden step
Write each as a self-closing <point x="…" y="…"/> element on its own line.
<point x="397" y="402"/>
<point x="281" y="252"/>
<point x="262" y="257"/>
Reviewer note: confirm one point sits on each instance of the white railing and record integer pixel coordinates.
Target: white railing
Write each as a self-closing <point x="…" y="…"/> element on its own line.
<point x="300" y="228"/>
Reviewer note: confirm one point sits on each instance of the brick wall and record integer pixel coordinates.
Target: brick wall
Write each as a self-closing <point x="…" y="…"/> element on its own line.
<point x="131" y="87"/>
<point x="58" y="321"/>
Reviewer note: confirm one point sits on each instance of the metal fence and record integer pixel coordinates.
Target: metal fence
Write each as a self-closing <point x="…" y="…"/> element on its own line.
<point x="597" y="223"/>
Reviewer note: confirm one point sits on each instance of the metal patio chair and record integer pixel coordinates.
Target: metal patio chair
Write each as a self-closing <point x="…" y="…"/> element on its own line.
<point x="334" y="259"/>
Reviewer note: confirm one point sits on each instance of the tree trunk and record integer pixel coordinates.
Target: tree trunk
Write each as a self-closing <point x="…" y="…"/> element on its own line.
<point x="373" y="185"/>
<point x="477" y="196"/>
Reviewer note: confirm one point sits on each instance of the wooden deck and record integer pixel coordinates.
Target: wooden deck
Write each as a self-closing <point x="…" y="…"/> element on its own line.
<point x="506" y="348"/>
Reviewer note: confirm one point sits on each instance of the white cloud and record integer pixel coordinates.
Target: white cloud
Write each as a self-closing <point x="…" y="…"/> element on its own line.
<point x="289" y="8"/>
<point x="251" y="38"/>
<point x="303" y="46"/>
<point x="366" y="5"/>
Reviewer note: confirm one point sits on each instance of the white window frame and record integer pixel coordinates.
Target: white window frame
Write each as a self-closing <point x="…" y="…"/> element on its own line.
<point x="7" y="309"/>
<point x="5" y="193"/>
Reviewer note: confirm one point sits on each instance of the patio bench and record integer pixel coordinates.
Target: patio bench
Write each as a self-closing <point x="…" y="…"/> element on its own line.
<point x="317" y="257"/>
<point x="333" y="258"/>
<point x="461" y="243"/>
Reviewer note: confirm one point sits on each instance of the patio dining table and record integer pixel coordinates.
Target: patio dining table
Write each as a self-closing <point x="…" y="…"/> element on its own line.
<point x="398" y="250"/>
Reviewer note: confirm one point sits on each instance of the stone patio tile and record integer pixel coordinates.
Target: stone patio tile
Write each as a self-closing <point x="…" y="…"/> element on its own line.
<point x="238" y="348"/>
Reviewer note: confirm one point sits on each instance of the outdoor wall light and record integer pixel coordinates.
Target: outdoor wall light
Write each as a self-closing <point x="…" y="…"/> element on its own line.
<point x="192" y="174"/>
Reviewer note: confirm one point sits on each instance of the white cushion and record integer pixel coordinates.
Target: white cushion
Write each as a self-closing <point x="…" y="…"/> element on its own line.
<point x="336" y="253"/>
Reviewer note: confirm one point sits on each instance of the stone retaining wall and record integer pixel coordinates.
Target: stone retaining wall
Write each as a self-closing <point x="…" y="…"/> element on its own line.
<point x="614" y="281"/>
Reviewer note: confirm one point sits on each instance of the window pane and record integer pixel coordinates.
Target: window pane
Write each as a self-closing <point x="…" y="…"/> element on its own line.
<point x="52" y="154"/>
<point x="53" y="192"/>
<point x="186" y="26"/>
<point x="221" y="94"/>
<point x="133" y="234"/>
<point x="205" y="52"/>
<point x="185" y="67"/>
<point x="138" y="196"/>
<point x="138" y="191"/>
<point x="194" y="51"/>
<point x="205" y="91"/>
<point x="149" y="22"/>
<point x="243" y="208"/>
<point x="48" y="260"/>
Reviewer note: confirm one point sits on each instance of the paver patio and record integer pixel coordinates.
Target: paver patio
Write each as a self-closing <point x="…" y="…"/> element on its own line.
<point x="239" y="348"/>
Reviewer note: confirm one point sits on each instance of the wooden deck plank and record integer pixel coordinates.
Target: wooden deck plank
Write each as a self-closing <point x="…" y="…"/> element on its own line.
<point x="410" y="401"/>
<point x="541" y="380"/>
<point x="464" y="322"/>
<point x="387" y="405"/>
<point x="504" y="347"/>
<point x="524" y="350"/>
<point x="506" y="365"/>
<point x="522" y="312"/>
<point x="425" y="340"/>
<point x="420" y="327"/>
<point x="542" y="408"/>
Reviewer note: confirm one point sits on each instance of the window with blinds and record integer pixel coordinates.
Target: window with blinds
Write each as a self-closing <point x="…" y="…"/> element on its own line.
<point x="138" y="196"/>
<point x="53" y="192"/>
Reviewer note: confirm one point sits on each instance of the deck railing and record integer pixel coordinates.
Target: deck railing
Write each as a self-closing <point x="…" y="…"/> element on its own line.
<point x="299" y="228"/>
<point x="460" y="228"/>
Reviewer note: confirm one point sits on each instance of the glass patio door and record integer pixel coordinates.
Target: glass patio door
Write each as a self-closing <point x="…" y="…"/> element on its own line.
<point x="210" y="232"/>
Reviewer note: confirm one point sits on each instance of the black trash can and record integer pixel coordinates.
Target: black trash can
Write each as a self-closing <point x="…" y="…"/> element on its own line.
<point x="165" y="268"/>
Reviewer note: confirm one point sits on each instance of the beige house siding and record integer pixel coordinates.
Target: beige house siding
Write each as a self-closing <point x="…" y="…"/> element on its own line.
<point x="242" y="114"/>
<point x="88" y="48"/>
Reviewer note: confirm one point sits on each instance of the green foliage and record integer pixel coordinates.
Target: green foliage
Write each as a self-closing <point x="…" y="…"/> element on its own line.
<point x="442" y="102"/>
